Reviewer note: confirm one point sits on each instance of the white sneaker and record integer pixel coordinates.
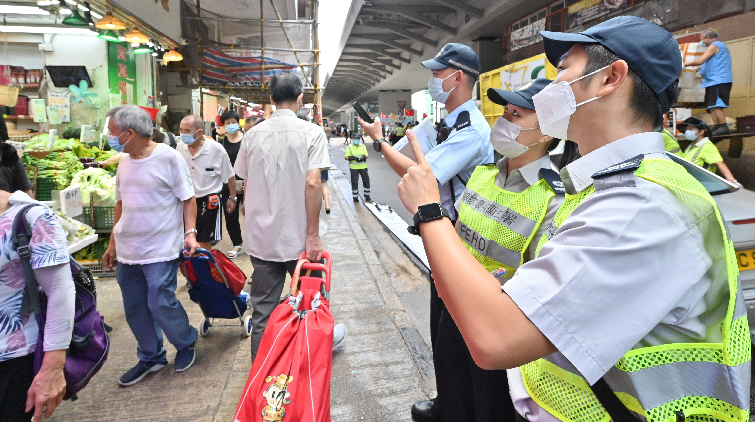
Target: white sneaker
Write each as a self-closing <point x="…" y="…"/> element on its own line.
<point x="339" y="336"/>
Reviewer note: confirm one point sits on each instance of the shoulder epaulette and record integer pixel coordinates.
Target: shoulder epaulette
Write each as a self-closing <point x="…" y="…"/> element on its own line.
<point x="554" y="180"/>
<point x="462" y="120"/>
<point x="630" y="164"/>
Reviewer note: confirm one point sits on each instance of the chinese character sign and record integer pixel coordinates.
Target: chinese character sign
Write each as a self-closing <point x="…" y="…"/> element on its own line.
<point x="122" y="72"/>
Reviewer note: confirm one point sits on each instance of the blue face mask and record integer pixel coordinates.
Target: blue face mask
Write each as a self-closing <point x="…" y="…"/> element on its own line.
<point x="115" y="144"/>
<point x="188" y="138"/>
<point x="356" y="141"/>
<point x="690" y="135"/>
<point x="232" y="128"/>
<point x="702" y="44"/>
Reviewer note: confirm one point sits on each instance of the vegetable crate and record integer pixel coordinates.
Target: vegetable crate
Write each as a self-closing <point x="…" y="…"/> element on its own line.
<point x="45" y="186"/>
<point x="97" y="269"/>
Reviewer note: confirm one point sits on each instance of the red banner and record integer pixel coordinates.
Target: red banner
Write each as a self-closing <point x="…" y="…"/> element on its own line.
<point x="409" y="113"/>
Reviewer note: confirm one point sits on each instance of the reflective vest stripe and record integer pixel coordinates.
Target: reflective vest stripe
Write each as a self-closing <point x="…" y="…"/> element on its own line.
<point x="496" y="225"/>
<point x="487" y="247"/>
<point x="675" y="150"/>
<point x="504" y="215"/>
<point x="699" y="150"/>
<point x="709" y="380"/>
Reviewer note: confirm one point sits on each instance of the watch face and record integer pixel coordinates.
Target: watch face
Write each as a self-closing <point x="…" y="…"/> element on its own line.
<point x="429" y="212"/>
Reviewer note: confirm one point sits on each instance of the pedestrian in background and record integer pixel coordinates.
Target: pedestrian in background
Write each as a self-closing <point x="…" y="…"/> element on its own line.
<point x="210" y="168"/>
<point x="23" y="393"/>
<point x="715" y="66"/>
<point x="701" y="150"/>
<point x="251" y="121"/>
<point x="357" y="154"/>
<point x="232" y="143"/>
<point x="463" y="143"/>
<point x="282" y="158"/>
<point x="155" y="204"/>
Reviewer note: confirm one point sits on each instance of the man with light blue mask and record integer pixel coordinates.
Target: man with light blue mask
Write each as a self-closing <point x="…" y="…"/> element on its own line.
<point x="210" y="168"/>
<point x="155" y="214"/>
<point x="463" y="143"/>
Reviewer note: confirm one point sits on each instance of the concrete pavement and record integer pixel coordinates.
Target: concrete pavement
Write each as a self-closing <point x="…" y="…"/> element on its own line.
<point x="382" y="368"/>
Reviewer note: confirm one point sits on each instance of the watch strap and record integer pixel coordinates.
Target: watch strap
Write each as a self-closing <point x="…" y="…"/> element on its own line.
<point x="417" y="221"/>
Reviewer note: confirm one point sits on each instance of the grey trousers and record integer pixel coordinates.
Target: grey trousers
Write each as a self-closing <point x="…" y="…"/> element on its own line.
<point x="268" y="279"/>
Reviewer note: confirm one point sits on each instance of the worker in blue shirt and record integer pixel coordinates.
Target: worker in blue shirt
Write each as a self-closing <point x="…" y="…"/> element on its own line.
<point x="463" y="143"/>
<point x="715" y="66"/>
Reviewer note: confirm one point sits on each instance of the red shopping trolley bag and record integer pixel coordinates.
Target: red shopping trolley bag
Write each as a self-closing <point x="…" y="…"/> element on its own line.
<point x="233" y="274"/>
<point x="290" y="376"/>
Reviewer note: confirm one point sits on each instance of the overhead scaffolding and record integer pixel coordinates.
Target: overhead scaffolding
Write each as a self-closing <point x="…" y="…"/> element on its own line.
<point x="241" y="63"/>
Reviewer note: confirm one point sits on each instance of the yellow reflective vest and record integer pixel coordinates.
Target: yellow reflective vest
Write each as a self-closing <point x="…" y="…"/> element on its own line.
<point x="706" y="381"/>
<point x="497" y="225"/>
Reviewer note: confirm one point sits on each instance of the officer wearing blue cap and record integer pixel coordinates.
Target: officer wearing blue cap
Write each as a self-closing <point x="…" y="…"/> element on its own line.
<point x="462" y="144"/>
<point x="631" y="309"/>
<point x="503" y="212"/>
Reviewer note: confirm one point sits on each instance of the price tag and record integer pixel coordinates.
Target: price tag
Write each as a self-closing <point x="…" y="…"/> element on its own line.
<point x="70" y="201"/>
<point x="51" y="142"/>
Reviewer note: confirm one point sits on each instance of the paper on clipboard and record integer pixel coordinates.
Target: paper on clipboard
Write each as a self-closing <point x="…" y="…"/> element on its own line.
<point x="425" y="133"/>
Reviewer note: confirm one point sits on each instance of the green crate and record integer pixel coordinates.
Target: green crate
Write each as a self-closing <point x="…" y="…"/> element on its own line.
<point x="104" y="218"/>
<point x="99" y="248"/>
<point x="45" y="186"/>
<point x="83" y="217"/>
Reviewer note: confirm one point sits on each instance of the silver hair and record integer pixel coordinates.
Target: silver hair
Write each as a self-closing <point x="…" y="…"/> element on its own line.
<point x="131" y="117"/>
<point x="710" y="33"/>
<point x="196" y="121"/>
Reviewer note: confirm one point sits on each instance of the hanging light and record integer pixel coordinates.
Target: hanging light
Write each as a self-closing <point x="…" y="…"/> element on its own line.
<point x="173" y="56"/>
<point x="75" y="19"/>
<point x="110" y="22"/>
<point x="44" y="3"/>
<point x="142" y="49"/>
<point x="136" y="37"/>
<point x="64" y="10"/>
<point x="108" y="35"/>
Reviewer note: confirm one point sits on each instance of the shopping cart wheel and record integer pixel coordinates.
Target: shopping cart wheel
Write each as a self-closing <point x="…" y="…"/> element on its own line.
<point x="248" y="325"/>
<point x="204" y="326"/>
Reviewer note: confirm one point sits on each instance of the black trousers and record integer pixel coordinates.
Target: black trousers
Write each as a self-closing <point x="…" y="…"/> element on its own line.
<point x="16" y="376"/>
<point x="465" y="391"/>
<point x="355" y="182"/>
<point x="232" y="219"/>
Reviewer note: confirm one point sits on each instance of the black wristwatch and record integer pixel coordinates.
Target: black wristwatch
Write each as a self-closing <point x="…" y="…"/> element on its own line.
<point x="428" y="212"/>
<point x="377" y="144"/>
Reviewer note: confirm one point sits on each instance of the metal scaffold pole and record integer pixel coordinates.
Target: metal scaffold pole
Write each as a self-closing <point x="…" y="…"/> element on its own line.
<point x="200" y="58"/>
<point x="316" y="69"/>
<point x="262" y="42"/>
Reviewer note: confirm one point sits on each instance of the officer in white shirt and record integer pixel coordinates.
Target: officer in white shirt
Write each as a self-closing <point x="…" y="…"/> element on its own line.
<point x="631" y="309"/>
<point x="210" y="168"/>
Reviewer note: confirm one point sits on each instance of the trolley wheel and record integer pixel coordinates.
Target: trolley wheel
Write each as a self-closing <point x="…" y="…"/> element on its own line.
<point x="204" y="326"/>
<point x="248" y="325"/>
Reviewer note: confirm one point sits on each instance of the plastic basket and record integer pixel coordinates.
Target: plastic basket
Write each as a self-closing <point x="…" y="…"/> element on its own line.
<point x="45" y="186"/>
<point x="104" y="218"/>
<point x="83" y="218"/>
<point x="100" y="270"/>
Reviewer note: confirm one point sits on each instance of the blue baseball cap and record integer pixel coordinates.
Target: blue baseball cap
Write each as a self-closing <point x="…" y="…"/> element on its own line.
<point x="522" y="97"/>
<point x="649" y="50"/>
<point x="457" y="56"/>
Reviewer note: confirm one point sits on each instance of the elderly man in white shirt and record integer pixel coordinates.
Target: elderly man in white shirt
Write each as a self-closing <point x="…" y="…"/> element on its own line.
<point x="281" y="159"/>
<point x="210" y="167"/>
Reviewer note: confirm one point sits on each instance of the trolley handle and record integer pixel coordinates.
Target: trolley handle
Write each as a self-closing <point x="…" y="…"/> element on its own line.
<point x="204" y="255"/>
<point x="317" y="266"/>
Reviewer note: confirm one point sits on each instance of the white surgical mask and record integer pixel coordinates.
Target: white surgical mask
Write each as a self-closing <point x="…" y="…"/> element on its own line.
<point x="435" y="89"/>
<point x="503" y="137"/>
<point x="555" y="104"/>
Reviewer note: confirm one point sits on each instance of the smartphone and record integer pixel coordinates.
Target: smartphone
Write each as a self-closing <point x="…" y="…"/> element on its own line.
<point x="362" y="113"/>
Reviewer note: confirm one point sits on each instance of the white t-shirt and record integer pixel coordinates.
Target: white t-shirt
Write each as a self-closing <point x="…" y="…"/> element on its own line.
<point x="210" y="168"/>
<point x="152" y="191"/>
<point x="274" y="159"/>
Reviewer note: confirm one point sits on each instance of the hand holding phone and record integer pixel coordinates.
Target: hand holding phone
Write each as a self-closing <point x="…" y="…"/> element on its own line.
<point x="362" y="113"/>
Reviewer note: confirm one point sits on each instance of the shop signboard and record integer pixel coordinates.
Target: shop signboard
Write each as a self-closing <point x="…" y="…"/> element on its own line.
<point x="121" y="71"/>
<point x="518" y="74"/>
<point x="38" y="110"/>
<point x="527" y="35"/>
<point x="579" y="12"/>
